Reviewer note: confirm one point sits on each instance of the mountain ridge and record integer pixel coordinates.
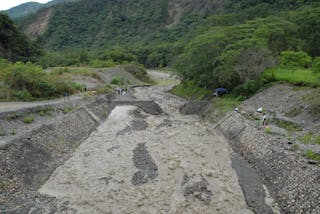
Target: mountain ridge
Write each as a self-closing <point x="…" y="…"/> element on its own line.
<point x="28" y="8"/>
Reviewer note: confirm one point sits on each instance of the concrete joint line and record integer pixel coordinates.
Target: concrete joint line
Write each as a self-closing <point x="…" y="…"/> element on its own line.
<point x="92" y="115"/>
<point x="223" y="120"/>
<point x="239" y="132"/>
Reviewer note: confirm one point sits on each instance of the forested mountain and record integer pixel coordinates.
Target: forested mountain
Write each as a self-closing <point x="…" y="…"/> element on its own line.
<point x="211" y="42"/>
<point x="96" y="23"/>
<point x="30" y="7"/>
<point x="14" y="45"/>
<point x="23" y="9"/>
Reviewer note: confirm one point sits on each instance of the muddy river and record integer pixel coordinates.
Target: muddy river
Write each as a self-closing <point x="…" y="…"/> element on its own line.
<point x="141" y="163"/>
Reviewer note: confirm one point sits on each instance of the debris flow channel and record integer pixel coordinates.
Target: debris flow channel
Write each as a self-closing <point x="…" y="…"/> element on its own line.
<point x="141" y="163"/>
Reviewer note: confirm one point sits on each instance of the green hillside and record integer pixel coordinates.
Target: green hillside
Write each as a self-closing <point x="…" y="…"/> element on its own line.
<point x="214" y="43"/>
<point x="14" y="45"/>
<point x="97" y="23"/>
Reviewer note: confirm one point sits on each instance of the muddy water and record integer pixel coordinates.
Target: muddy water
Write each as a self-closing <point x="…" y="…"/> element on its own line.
<point x="141" y="163"/>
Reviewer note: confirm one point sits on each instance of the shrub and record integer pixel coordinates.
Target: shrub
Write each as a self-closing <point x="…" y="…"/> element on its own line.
<point x="61" y="70"/>
<point x="295" y="59"/>
<point x="312" y="155"/>
<point x="287" y="125"/>
<point x="267" y="130"/>
<point x="102" y="63"/>
<point x="28" y="119"/>
<point x="191" y="90"/>
<point x="28" y="82"/>
<point x="66" y="110"/>
<point x="23" y="95"/>
<point x="316" y="64"/>
<point x="138" y="72"/>
<point x="246" y="89"/>
<point x="120" y="81"/>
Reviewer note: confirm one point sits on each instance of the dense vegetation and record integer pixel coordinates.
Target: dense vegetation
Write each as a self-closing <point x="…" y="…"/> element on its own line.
<point x="25" y="81"/>
<point x="215" y="43"/>
<point x="14" y="45"/>
<point x="238" y="53"/>
<point x="211" y="44"/>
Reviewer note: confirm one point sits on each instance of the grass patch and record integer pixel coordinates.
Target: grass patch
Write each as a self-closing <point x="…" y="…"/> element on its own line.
<point x="312" y="155"/>
<point x="287" y="125"/>
<point x="296" y="147"/>
<point x="120" y="81"/>
<point x="310" y="138"/>
<point x="294" y="112"/>
<point x="45" y="112"/>
<point x="267" y="130"/>
<point x="296" y="76"/>
<point x="189" y="90"/>
<point x="28" y="119"/>
<point x="222" y="105"/>
<point x="251" y="116"/>
<point x="42" y="114"/>
<point x="12" y="117"/>
<point x="106" y="89"/>
<point x="138" y="72"/>
<point x="166" y="82"/>
<point x="66" y="110"/>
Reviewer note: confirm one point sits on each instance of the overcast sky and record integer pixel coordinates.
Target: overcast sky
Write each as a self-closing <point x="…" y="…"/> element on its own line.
<point x="7" y="4"/>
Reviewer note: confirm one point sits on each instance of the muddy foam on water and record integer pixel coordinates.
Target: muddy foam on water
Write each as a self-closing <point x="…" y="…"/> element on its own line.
<point x="174" y="164"/>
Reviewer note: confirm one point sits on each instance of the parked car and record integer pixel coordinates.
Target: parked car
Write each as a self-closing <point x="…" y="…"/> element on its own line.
<point x="220" y="91"/>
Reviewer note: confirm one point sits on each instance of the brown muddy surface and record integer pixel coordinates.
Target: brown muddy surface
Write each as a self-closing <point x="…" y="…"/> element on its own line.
<point x="141" y="163"/>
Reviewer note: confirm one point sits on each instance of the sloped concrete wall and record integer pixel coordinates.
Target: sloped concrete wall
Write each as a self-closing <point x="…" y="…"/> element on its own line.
<point x="27" y="161"/>
<point x="293" y="182"/>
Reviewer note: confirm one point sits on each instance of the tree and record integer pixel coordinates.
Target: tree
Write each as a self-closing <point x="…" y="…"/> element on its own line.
<point x="252" y="62"/>
<point x="295" y="59"/>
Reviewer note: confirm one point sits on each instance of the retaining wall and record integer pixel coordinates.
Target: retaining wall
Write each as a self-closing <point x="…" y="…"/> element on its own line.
<point x="26" y="162"/>
<point x="291" y="180"/>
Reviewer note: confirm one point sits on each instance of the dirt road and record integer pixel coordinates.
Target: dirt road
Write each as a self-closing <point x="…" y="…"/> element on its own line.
<point x="15" y="106"/>
<point x="140" y="163"/>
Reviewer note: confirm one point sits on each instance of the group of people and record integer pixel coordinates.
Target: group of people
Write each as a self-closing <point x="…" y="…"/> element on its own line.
<point x="66" y="96"/>
<point x="121" y="91"/>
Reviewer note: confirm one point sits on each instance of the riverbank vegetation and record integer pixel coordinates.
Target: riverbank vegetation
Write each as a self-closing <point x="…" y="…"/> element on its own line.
<point x="27" y="82"/>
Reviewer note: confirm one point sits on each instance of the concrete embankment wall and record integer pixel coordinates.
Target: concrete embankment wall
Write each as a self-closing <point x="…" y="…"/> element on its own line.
<point x="27" y="161"/>
<point x="290" y="179"/>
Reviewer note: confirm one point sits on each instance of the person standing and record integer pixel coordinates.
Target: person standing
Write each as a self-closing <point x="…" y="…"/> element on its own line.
<point x="264" y="119"/>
